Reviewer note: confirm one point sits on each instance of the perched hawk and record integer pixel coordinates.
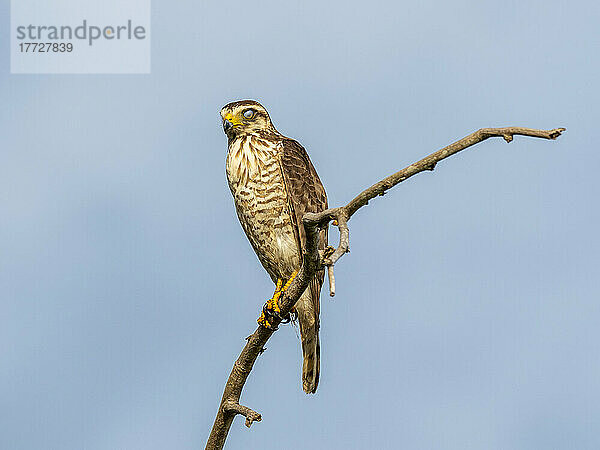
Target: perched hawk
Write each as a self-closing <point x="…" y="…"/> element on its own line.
<point x="274" y="184"/>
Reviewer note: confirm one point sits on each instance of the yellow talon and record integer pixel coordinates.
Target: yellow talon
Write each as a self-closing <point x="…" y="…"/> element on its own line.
<point x="273" y="303"/>
<point x="329" y="250"/>
<point x="262" y="320"/>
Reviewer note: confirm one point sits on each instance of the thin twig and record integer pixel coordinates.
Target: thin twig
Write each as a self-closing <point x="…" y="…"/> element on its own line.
<point x="331" y="278"/>
<point x="312" y="262"/>
<point x="231" y="406"/>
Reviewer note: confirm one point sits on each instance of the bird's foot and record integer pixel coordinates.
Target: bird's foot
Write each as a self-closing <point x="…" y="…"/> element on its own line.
<point x="329" y="250"/>
<point x="271" y="308"/>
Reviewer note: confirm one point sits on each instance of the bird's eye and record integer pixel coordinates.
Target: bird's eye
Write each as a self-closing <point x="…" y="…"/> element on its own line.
<point x="249" y="113"/>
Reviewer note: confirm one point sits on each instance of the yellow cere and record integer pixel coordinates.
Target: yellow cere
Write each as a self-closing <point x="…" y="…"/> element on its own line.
<point x="231" y="118"/>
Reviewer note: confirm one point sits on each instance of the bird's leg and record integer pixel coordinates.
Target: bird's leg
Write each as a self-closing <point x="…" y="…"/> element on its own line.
<point x="272" y="304"/>
<point x="271" y="308"/>
<point x="289" y="282"/>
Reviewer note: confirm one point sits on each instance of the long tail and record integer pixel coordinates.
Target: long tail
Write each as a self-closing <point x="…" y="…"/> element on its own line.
<point x="311" y="349"/>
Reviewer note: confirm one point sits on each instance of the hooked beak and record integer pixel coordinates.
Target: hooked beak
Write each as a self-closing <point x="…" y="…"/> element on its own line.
<point x="227" y="125"/>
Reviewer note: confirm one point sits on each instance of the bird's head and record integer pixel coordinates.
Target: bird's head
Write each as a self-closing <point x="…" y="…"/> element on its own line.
<point x="245" y="117"/>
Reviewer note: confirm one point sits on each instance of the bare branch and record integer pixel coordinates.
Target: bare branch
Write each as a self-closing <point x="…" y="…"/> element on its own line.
<point x="312" y="262"/>
<point x="429" y="162"/>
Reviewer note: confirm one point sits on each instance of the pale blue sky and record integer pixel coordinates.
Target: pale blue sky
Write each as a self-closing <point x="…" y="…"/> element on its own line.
<point x="468" y="312"/>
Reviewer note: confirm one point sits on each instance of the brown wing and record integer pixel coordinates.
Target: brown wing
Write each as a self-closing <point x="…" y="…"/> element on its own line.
<point x="305" y="194"/>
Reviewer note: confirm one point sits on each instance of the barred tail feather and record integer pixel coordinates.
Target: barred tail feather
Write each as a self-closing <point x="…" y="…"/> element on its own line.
<point x="311" y="349"/>
<point x="311" y="364"/>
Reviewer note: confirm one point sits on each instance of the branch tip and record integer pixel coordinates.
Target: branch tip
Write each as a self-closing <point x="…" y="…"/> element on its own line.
<point x="231" y="406"/>
<point x="331" y="278"/>
<point x="556" y="132"/>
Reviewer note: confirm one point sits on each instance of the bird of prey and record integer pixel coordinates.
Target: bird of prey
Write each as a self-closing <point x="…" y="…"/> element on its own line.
<point x="274" y="184"/>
